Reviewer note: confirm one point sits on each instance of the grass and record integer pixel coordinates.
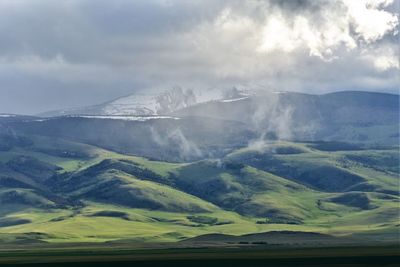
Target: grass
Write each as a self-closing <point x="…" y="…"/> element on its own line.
<point x="159" y="226"/>
<point x="144" y="225"/>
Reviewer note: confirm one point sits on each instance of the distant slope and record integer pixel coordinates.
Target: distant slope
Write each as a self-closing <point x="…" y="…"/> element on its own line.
<point x="351" y="116"/>
<point x="356" y="105"/>
<point x="164" y="138"/>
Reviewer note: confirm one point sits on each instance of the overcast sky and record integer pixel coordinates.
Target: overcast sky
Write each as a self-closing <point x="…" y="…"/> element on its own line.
<point x="59" y="54"/>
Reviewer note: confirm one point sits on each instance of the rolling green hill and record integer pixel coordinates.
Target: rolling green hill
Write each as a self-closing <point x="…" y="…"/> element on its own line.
<point x="55" y="190"/>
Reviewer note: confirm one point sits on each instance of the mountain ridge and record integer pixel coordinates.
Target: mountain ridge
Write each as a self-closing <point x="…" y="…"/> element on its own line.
<point x="227" y="95"/>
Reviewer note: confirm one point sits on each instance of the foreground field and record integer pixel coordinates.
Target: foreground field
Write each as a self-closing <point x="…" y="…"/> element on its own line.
<point x="250" y="256"/>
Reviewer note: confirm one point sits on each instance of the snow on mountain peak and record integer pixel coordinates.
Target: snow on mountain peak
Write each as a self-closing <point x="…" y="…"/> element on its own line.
<point x="152" y="104"/>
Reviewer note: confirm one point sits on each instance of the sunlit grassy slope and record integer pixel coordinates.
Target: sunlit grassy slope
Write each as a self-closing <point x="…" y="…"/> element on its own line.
<point x="95" y="195"/>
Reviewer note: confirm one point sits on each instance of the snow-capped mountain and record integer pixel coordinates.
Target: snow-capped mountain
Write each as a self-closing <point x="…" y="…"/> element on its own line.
<point x="151" y="104"/>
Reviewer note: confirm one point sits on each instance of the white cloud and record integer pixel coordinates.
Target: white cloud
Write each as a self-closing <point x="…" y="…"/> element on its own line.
<point x="383" y="63"/>
<point x="383" y="58"/>
<point x="331" y="31"/>
<point x="369" y="22"/>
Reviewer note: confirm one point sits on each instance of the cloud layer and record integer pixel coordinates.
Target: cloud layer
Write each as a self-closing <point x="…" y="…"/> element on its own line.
<point x="71" y="53"/>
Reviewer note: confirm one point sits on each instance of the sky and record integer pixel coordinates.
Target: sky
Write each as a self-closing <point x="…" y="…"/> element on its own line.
<point x="71" y="53"/>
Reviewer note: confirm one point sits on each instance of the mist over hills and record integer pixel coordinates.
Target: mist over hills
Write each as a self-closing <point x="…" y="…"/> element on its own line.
<point x="214" y="128"/>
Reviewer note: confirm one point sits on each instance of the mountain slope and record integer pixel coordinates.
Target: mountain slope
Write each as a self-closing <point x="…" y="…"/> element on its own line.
<point x="166" y="139"/>
<point x="214" y="129"/>
<point x="342" y="116"/>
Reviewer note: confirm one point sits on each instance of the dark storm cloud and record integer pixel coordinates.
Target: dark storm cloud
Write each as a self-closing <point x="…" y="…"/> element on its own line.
<point x="89" y="31"/>
<point x="57" y="54"/>
<point x="298" y="5"/>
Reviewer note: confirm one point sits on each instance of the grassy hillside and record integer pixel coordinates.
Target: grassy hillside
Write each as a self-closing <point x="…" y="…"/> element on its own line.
<point x="55" y="190"/>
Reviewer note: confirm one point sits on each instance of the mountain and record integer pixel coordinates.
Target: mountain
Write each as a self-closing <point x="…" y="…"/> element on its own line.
<point x="142" y="104"/>
<point x="349" y="116"/>
<point x="215" y="128"/>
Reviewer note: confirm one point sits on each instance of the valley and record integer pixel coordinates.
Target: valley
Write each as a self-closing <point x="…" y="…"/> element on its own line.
<point x="74" y="179"/>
